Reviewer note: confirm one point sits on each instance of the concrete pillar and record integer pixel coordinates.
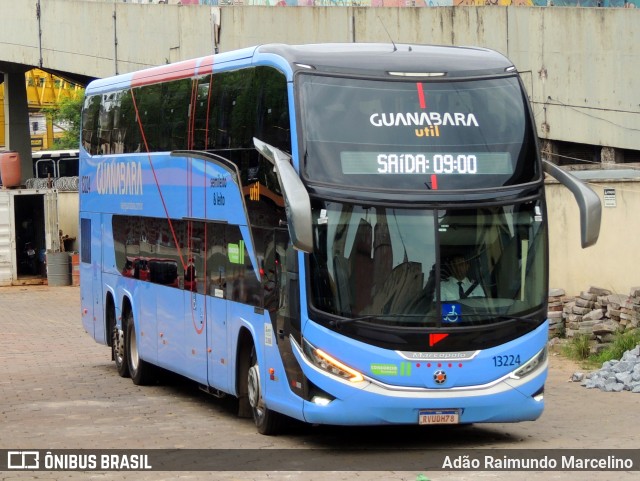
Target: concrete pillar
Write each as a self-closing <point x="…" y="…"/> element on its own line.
<point x="609" y="155"/>
<point x="548" y="151"/>
<point x="16" y="117"/>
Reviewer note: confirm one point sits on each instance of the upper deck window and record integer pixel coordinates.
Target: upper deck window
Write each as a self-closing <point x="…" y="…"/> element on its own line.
<point x="223" y="111"/>
<point x="416" y="135"/>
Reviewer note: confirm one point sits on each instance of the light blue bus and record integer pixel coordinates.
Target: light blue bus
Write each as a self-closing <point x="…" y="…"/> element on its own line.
<point x="348" y="234"/>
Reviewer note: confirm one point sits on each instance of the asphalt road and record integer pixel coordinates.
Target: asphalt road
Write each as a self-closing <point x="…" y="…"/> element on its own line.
<point x="59" y="390"/>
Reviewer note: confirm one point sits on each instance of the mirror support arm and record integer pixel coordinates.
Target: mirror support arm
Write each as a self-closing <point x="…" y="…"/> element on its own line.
<point x="588" y="203"/>
<point x="296" y="198"/>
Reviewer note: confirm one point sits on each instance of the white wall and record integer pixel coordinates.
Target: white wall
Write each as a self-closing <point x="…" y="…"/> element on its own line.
<point x="68" y="217"/>
<point x="614" y="262"/>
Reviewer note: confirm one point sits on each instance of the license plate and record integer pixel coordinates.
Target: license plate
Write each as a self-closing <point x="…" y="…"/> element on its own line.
<point x="439" y="416"/>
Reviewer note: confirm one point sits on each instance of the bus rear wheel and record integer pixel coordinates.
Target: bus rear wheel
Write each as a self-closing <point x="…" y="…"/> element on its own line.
<point x="140" y="370"/>
<point x="118" y="351"/>
<point x="267" y="421"/>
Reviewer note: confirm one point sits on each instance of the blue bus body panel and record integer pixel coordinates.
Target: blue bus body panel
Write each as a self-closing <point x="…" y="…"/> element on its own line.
<point x="147" y="309"/>
<point x="109" y="84"/>
<point x="195" y="336"/>
<point x="219" y="342"/>
<point x="272" y="60"/>
<point x="126" y="185"/>
<point x="170" y="328"/>
<point x="91" y="294"/>
<point x="364" y="407"/>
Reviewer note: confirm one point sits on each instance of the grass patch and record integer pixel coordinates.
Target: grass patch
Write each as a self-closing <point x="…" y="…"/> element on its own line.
<point x="578" y="348"/>
<point x="622" y="342"/>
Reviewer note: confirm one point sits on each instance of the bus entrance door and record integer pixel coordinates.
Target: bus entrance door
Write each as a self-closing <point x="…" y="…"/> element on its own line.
<point x="217" y="347"/>
<point x="218" y="356"/>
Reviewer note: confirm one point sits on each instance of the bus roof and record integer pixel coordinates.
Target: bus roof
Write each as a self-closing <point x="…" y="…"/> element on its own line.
<point x="402" y="59"/>
<point x="371" y="59"/>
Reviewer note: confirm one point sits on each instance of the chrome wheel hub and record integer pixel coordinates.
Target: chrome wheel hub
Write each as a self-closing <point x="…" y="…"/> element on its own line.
<point x="254" y="386"/>
<point x="118" y="345"/>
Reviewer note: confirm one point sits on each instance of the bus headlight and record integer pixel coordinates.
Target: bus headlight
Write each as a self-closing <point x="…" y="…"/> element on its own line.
<point x="330" y="364"/>
<point x="532" y="364"/>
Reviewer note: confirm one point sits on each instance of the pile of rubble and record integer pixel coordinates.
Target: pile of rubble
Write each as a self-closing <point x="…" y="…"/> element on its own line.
<point x="615" y="376"/>
<point x="597" y="313"/>
<point x="555" y="313"/>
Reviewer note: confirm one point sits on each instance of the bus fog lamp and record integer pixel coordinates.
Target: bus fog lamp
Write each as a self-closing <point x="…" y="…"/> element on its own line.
<point x="320" y="401"/>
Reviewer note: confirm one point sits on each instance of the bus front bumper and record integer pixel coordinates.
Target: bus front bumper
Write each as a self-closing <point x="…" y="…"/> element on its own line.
<point x="340" y="402"/>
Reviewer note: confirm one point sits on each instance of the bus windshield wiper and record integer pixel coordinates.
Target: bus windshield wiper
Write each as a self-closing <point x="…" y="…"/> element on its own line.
<point x="516" y="318"/>
<point x="340" y="322"/>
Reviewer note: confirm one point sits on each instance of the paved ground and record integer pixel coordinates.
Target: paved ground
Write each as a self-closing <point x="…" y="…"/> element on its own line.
<point x="59" y="390"/>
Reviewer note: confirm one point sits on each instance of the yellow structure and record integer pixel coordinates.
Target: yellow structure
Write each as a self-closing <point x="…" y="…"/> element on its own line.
<point x="43" y="90"/>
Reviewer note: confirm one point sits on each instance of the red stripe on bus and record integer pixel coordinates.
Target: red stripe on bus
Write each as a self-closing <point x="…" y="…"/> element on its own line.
<point x="206" y="66"/>
<point x="165" y="73"/>
<point x="423" y="102"/>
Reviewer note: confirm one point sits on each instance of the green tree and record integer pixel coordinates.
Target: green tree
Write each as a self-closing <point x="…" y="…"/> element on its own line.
<point x="66" y="116"/>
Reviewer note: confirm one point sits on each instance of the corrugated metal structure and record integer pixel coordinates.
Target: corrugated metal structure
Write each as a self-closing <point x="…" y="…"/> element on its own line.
<point x="7" y="249"/>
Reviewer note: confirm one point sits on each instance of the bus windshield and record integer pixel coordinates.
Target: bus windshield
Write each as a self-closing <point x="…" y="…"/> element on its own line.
<point x="395" y="266"/>
<point x="453" y="135"/>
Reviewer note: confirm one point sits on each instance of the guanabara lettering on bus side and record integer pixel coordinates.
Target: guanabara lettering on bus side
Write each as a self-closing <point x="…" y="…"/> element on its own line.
<point x="119" y="178"/>
<point x="396" y="119"/>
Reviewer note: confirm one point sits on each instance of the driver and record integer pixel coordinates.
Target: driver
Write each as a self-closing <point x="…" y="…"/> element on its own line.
<point x="457" y="285"/>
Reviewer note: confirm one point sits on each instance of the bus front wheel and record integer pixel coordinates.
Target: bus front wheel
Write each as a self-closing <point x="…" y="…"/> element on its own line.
<point x="266" y="420"/>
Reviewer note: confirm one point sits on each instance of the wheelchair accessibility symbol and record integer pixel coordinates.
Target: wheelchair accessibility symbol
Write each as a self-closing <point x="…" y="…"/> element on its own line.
<point x="451" y="313"/>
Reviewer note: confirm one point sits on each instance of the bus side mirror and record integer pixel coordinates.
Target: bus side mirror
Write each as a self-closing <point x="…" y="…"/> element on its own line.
<point x="296" y="198"/>
<point x="588" y="203"/>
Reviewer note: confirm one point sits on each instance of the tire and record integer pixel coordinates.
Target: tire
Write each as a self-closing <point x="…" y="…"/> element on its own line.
<point x="267" y="422"/>
<point x="141" y="371"/>
<point x="118" y="351"/>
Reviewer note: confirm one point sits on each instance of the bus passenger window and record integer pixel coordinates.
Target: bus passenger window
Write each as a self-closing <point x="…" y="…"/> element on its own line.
<point x="216" y="259"/>
<point x="242" y="283"/>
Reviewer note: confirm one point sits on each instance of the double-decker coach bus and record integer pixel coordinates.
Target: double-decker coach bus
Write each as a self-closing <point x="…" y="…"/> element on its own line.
<point x="283" y="224"/>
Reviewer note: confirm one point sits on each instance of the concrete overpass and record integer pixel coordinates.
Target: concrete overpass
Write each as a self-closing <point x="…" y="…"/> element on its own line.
<point x="580" y="65"/>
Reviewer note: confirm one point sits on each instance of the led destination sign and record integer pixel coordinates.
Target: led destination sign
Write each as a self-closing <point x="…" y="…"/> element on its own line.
<point x="407" y="163"/>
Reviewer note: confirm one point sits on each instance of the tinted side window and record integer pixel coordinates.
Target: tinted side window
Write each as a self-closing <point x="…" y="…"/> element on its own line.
<point x="90" y="118"/>
<point x="216" y="259"/>
<point x="85" y="241"/>
<point x="213" y="258"/>
<point x="243" y="285"/>
<point x="145" y="249"/>
<point x="272" y="104"/>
